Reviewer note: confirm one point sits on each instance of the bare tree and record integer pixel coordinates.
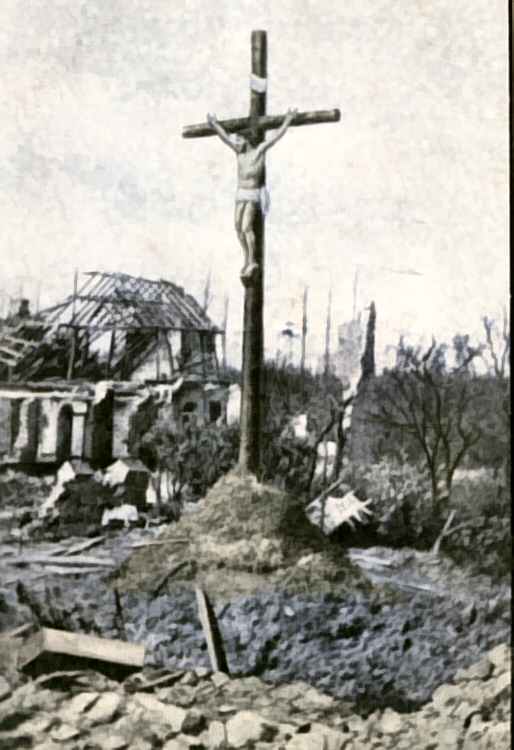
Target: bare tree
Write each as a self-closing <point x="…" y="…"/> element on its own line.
<point x="495" y="353"/>
<point x="422" y="398"/>
<point x="496" y="349"/>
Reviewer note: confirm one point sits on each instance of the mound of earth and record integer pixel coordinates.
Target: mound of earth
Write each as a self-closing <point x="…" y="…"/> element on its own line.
<point x="245" y="537"/>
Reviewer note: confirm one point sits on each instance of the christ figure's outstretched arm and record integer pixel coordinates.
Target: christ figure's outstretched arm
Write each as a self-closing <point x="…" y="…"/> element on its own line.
<point x="213" y="122"/>
<point x="288" y="119"/>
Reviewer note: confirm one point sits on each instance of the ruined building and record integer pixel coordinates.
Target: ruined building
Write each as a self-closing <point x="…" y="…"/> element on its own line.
<point x="84" y="378"/>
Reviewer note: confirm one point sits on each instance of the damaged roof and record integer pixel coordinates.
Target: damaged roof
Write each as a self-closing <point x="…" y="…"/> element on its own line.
<point x="117" y="300"/>
<point x="105" y="302"/>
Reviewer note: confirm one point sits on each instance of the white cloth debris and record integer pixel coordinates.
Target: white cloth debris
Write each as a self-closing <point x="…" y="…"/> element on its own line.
<point x="233" y="404"/>
<point x="331" y="512"/>
<point x="126" y="513"/>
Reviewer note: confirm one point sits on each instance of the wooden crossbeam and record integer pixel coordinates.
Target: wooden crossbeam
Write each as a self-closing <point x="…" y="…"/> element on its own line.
<point x="266" y="122"/>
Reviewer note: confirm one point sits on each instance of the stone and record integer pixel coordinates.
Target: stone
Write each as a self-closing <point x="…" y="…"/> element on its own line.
<point x="220" y="678"/>
<point x="246" y="727"/>
<point x="174" y="716"/>
<point x="333" y="739"/>
<point x="217" y="735"/>
<point x="36" y="725"/>
<point x="177" y="743"/>
<point x="64" y="733"/>
<point x="5" y="688"/>
<point x="479" y="671"/>
<point x="202" y="672"/>
<point x="448" y="738"/>
<point x="500" y="657"/>
<point x="105" y="709"/>
<point x="194" y="723"/>
<point x="190" y="678"/>
<point x="78" y="705"/>
<point x="315" y="698"/>
<point x="499" y="736"/>
<point x="288" y="692"/>
<point x="446" y="696"/>
<point x="108" y="741"/>
<point x="501" y="684"/>
<point x="391" y="722"/>
<point x="45" y="700"/>
<point x="140" y="743"/>
<point x="226" y="708"/>
<point x="309" y="741"/>
<point x="319" y="738"/>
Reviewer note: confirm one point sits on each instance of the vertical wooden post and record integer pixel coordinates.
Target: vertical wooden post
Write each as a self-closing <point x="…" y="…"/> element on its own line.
<point x="328" y="331"/>
<point x="158" y="356"/>
<point x="170" y="352"/>
<point x="112" y="348"/>
<point x="304" y="332"/>
<point x="250" y="445"/>
<point x="355" y="281"/>
<point x="224" y="336"/>
<point x="73" y="345"/>
<point x="207" y="291"/>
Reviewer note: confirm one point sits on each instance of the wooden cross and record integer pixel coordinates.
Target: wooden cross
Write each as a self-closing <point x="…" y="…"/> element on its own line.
<point x="252" y="368"/>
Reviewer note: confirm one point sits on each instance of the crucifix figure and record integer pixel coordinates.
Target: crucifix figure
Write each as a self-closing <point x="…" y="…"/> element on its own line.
<point x="251" y="195"/>
<point x="250" y="227"/>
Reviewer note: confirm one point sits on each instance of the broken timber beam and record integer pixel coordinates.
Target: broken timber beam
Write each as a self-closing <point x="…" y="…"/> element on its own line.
<point x="211" y="632"/>
<point x="49" y="647"/>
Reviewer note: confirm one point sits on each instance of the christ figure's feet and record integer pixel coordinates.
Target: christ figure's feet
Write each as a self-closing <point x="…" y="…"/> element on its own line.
<point x="249" y="273"/>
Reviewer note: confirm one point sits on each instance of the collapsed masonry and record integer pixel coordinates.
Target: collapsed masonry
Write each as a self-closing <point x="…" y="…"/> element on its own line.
<point x="84" y="378"/>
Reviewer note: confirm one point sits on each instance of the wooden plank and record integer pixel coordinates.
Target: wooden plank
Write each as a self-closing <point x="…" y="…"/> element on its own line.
<point x="17" y="632"/>
<point x="82" y="560"/>
<point x="211" y="632"/>
<point x="50" y="641"/>
<point x="83" y="546"/>
<point x="158" y="543"/>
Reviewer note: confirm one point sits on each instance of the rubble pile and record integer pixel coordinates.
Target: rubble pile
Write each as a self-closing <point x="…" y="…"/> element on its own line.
<point x="197" y="709"/>
<point x="375" y="650"/>
<point x="77" y="501"/>
<point x="325" y="649"/>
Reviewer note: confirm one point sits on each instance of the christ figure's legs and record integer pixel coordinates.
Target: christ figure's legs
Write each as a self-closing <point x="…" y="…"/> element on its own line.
<point x="244" y="219"/>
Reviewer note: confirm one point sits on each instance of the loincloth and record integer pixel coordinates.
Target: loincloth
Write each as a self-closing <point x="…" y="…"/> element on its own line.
<point x="254" y="195"/>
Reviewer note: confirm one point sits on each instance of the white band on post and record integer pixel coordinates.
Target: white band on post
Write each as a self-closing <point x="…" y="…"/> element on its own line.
<point x="258" y="84"/>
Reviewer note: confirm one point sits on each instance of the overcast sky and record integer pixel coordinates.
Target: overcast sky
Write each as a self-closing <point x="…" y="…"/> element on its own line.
<point x="94" y="173"/>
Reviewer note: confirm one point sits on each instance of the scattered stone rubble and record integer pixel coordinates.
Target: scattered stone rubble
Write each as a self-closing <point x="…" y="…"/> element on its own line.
<point x="289" y="605"/>
<point x="196" y="709"/>
<point x="348" y="666"/>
